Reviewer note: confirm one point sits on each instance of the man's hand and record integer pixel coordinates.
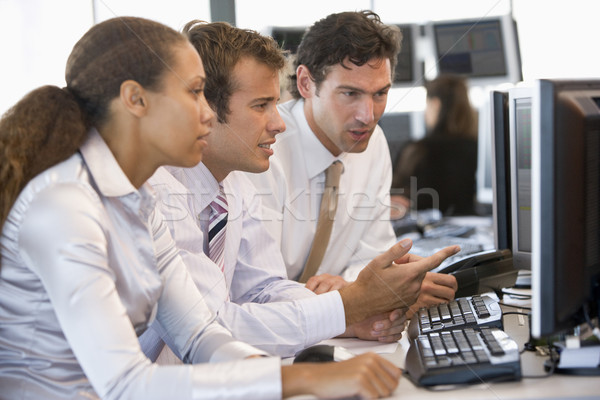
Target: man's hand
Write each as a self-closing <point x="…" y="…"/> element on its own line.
<point x="325" y="283"/>
<point x="386" y="328"/>
<point x="435" y="289"/>
<point x="390" y="281"/>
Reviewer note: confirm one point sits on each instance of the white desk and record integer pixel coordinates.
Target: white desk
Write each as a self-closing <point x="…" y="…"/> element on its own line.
<point x="553" y="387"/>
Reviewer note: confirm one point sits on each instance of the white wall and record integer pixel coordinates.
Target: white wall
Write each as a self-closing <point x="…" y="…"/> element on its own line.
<point x="37" y="35"/>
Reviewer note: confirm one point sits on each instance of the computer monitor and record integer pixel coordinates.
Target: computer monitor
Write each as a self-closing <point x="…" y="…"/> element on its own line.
<point x="565" y="204"/>
<point x="288" y="38"/>
<point x="500" y="170"/>
<point x="397" y="130"/>
<point x="519" y="144"/>
<point x="485" y="50"/>
<point x="409" y="69"/>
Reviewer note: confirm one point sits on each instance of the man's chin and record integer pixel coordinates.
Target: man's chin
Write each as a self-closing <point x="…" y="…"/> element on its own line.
<point x="358" y="147"/>
<point x="256" y="169"/>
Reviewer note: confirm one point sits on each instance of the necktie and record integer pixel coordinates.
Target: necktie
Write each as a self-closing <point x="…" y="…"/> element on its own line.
<point x="216" y="229"/>
<point x="325" y="222"/>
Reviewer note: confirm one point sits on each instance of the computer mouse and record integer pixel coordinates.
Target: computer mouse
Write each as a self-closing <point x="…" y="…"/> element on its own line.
<point x="323" y="353"/>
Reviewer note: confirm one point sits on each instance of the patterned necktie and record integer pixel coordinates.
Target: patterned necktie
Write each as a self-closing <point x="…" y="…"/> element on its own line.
<point x="325" y="222"/>
<point x="216" y="229"/>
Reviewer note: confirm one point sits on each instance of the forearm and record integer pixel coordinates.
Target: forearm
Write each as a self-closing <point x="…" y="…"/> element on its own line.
<point x="284" y="328"/>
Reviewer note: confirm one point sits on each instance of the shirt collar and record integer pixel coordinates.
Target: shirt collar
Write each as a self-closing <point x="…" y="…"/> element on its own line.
<point x="316" y="156"/>
<point x="200" y="181"/>
<point x="104" y="168"/>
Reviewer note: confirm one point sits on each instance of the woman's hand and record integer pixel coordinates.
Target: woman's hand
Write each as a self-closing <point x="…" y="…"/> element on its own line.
<point x="367" y="376"/>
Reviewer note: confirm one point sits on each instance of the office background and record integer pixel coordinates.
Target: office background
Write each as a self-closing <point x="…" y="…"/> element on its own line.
<point x="557" y="39"/>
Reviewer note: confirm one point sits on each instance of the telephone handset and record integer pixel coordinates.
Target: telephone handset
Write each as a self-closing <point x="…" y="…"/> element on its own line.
<point x="483" y="272"/>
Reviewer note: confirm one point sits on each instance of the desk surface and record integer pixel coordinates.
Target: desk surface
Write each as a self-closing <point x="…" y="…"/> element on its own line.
<point x="552" y="387"/>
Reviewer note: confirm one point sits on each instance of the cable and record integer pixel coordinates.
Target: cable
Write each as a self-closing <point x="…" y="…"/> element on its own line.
<point x="513" y="306"/>
<point x="515" y="313"/>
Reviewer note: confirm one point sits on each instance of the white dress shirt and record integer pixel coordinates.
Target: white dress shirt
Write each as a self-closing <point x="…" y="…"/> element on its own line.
<point x="292" y="188"/>
<point x="253" y="297"/>
<point x="87" y="264"/>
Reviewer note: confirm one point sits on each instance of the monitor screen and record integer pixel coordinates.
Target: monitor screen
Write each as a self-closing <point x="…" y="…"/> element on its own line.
<point x="565" y="204"/>
<point x="484" y="49"/>
<point x="519" y="103"/>
<point x="467" y="48"/>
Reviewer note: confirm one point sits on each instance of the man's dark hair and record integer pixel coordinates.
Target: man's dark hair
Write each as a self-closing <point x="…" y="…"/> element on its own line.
<point x="357" y="36"/>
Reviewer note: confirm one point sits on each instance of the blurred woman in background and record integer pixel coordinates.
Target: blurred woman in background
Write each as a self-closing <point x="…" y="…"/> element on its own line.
<point x="438" y="171"/>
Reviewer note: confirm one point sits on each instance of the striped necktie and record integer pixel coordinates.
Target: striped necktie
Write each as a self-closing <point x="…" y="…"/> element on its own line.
<point x="216" y="229"/>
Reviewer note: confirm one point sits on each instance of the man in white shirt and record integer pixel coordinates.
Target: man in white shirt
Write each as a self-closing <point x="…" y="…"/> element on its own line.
<point x="340" y="89"/>
<point x="249" y="290"/>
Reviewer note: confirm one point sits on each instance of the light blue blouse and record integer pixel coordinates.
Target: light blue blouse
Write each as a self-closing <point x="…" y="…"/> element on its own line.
<point x="87" y="264"/>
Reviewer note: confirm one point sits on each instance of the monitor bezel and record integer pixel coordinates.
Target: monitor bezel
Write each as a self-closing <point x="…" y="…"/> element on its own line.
<point x="500" y="170"/>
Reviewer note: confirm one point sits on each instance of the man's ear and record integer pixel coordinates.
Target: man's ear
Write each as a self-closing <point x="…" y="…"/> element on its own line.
<point x="133" y="97"/>
<point x="304" y="81"/>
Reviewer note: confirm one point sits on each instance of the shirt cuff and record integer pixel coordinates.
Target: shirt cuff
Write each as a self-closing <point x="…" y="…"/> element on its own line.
<point x="235" y="351"/>
<point x="324" y="315"/>
<point x="256" y="378"/>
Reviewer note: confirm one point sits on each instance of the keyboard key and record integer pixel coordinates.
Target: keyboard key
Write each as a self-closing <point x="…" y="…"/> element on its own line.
<point x="445" y="312"/>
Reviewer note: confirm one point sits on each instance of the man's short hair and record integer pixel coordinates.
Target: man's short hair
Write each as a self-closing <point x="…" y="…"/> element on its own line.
<point x="357" y="36"/>
<point x="221" y="46"/>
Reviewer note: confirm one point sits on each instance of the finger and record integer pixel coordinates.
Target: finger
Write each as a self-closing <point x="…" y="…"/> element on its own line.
<point x="390" y="338"/>
<point x="443" y="280"/>
<point x="313" y="282"/>
<point x="388" y="374"/>
<point x="428" y="263"/>
<point x="392" y="331"/>
<point x="398" y="313"/>
<point x="322" y="287"/>
<point x="393" y="253"/>
<point x="337" y="284"/>
<point x="395" y="328"/>
<point x="381" y="325"/>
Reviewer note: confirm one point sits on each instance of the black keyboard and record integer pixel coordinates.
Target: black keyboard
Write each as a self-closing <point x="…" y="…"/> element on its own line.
<point x="462" y="356"/>
<point x="471" y="311"/>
